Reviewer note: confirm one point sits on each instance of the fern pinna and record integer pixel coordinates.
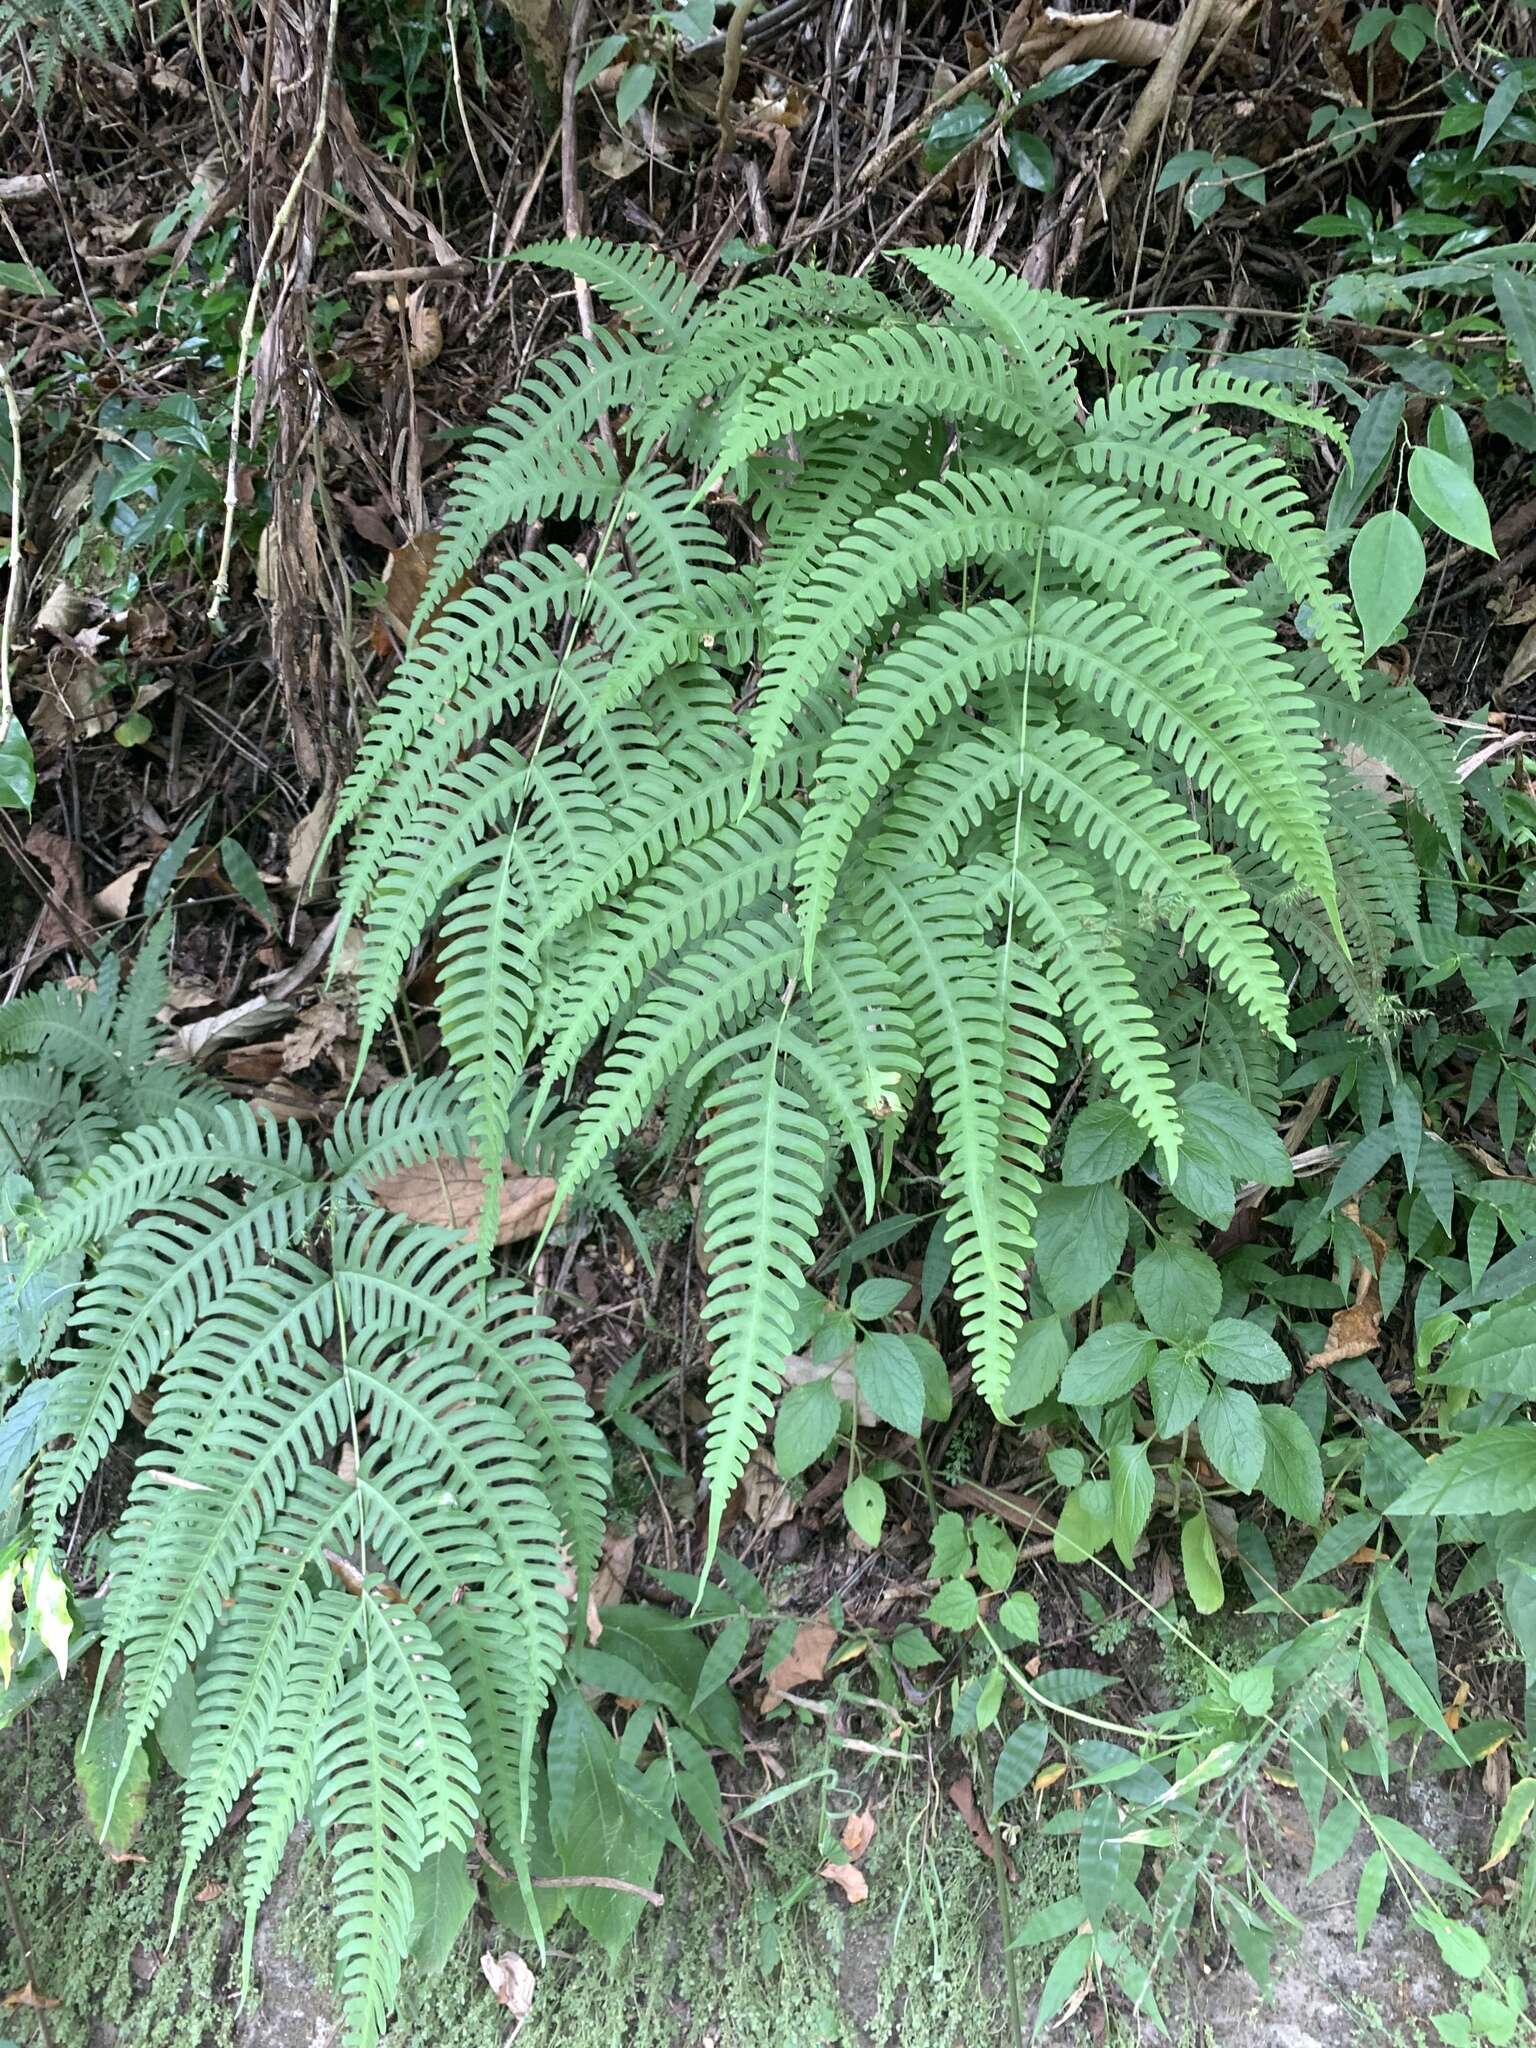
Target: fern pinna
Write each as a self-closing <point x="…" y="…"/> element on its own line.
<point x="372" y="1490"/>
<point x="979" y="755"/>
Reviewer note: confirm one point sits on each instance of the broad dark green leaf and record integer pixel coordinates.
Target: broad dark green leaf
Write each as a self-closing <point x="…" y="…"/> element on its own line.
<point x="1492" y="1473"/>
<point x="1108" y="1364"/>
<point x="1178" y="1290"/>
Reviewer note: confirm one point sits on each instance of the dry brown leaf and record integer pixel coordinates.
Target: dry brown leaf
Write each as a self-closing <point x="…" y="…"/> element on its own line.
<point x="303" y="844"/>
<point x="850" y="1881"/>
<point x="806" y="1663"/>
<point x="66" y="918"/>
<point x="29" y="1998"/>
<point x="62" y="612"/>
<point x="858" y="1833"/>
<point x="763" y="1497"/>
<point x="406" y="574"/>
<point x="512" y="1983"/>
<point x="448" y="1193"/>
<point x="1522" y="663"/>
<point x="113" y="901"/>
<point x="609" y="1580"/>
<point x="205" y="1035"/>
<point x="314" y="1035"/>
<point x="424" y="327"/>
<point x="963" y="1798"/>
<point x="1356" y="1330"/>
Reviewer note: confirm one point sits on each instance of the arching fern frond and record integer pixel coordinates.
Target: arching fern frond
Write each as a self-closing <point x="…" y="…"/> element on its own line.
<point x="760" y="1169"/>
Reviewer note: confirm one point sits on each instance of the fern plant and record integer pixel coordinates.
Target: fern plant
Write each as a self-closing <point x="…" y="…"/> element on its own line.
<point x="370" y="1493"/>
<point x="983" y="760"/>
<point x="49" y="33"/>
<point x="78" y="1067"/>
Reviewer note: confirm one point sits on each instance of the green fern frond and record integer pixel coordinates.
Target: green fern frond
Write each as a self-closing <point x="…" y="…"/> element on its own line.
<point x="1394" y="723"/>
<point x="652" y="291"/>
<point x="932" y="669"/>
<point x="1257" y="503"/>
<point x="1103" y="797"/>
<point x="882" y="560"/>
<point x="55" y="31"/>
<point x="1081" y="956"/>
<point x="929" y="929"/>
<point x="761" y="1171"/>
<point x="1139" y="405"/>
<point x="532" y="459"/>
<point x="1031" y="321"/>
<point x="390" y="1757"/>
<point x="704" y="992"/>
<point x="700" y="889"/>
<point x="931" y="372"/>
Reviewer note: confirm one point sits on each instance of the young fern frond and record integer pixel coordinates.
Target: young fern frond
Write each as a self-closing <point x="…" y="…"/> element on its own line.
<point x="654" y="293"/>
<point x="1031" y="323"/>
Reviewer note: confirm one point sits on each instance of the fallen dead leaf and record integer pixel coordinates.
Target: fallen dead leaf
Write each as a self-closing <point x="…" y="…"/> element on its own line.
<point x="113" y="901"/>
<point x="806" y="1663"/>
<point x="315" y="1033"/>
<point x="29" y="1998"/>
<point x="205" y="1035"/>
<point x="849" y="1880"/>
<point x="512" y="1983"/>
<point x="66" y="918"/>
<point x="763" y="1497"/>
<point x="448" y="1193"/>
<point x="800" y="1368"/>
<point x="424" y="326"/>
<point x="405" y="580"/>
<point x="858" y="1833"/>
<point x="304" y="844"/>
<point x="1356" y="1330"/>
<point x="208" y="1894"/>
<point x="963" y="1798"/>
<point x="609" y="1580"/>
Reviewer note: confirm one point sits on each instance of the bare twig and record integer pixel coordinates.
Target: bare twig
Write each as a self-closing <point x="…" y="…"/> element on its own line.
<point x="13" y="555"/>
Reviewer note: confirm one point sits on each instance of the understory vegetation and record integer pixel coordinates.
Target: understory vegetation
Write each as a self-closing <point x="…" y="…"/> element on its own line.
<point x="767" y="1087"/>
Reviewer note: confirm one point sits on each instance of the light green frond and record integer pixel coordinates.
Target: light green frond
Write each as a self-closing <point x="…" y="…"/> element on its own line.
<point x="1393" y="723"/>
<point x="406" y="1122"/>
<point x="862" y="1017"/>
<point x="1141" y="404"/>
<point x="701" y="888"/>
<point x="652" y="291"/>
<point x="1078" y="952"/>
<point x="943" y="798"/>
<point x="1102" y="796"/>
<point x="931" y="670"/>
<point x="362" y="1786"/>
<point x="882" y="560"/>
<point x="703" y="993"/>
<point x="1257" y="503"/>
<point x="532" y="459"/>
<point x="1268" y="779"/>
<point x="760" y="1175"/>
<point x="1034" y="324"/>
<point x="487" y="975"/>
<point x="929" y="929"/>
<point x="931" y="372"/>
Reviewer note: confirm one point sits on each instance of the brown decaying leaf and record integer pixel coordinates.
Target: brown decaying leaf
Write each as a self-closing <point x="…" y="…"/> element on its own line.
<point x="29" y="1998"/>
<point x="850" y="1881"/>
<point x="806" y="1663"/>
<point x="963" y="1798"/>
<point x="448" y="1193"/>
<point x="1356" y="1330"/>
<point x="609" y="1580"/>
<point x="512" y="1983"/>
<point x="66" y="918"/>
<point x="858" y="1833"/>
<point x="405" y="578"/>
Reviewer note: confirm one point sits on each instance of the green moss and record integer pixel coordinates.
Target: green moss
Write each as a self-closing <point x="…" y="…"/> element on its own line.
<point x="99" y="1930"/>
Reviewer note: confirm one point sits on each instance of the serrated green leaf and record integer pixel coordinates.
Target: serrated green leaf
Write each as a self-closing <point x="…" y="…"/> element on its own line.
<point x="805" y="1426"/>
<point x="1232" y="1436"/>
<point x="1108" y="1364"/>
<point x="1293" y="1474"/>
<point x="890" y="1381"/>
<point x="1178" y="1290"/>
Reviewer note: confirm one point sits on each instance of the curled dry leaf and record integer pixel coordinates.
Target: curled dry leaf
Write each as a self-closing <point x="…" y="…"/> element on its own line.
<point x="849" y="1880"/>
<point x="448" y="1193"/>
<point x="806" y="1663"/>
<point x="512" y="1983"/>
<point x="424" y="325"/>
<point x="1356" y="1330"/>
<point x="609" y="1580"/>
<point x="858" y="1833"/>
<point x="963" y="1798"/>
<point x="29" y="1998"/>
